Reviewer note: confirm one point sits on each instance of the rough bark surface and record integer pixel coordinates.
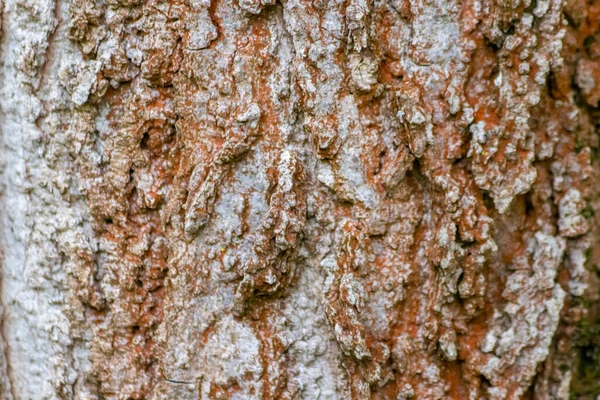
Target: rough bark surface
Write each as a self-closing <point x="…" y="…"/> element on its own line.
<point x="299" y="199"/>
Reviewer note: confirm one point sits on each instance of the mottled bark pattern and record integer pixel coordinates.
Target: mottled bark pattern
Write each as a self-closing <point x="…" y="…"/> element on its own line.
<point x="297" y="199"/>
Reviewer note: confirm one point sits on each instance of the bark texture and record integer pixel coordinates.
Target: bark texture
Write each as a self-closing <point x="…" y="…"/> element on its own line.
<point x="299" y="199"/>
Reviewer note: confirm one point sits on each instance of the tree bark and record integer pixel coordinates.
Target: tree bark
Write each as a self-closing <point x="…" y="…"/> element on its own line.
<point x="326" y="199"/>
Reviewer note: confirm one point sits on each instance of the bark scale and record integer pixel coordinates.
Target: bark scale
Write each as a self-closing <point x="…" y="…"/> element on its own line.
<point x="261" y="199"/>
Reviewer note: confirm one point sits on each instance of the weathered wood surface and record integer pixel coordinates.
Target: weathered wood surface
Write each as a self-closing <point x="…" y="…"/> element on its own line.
<point x="295" y="199"/>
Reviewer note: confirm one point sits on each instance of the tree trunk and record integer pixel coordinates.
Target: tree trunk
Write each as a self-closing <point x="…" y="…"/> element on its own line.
<point x="300" y="199"/>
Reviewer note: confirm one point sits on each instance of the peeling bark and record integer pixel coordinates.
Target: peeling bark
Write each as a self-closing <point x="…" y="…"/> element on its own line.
<point x="260" y="199"/>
